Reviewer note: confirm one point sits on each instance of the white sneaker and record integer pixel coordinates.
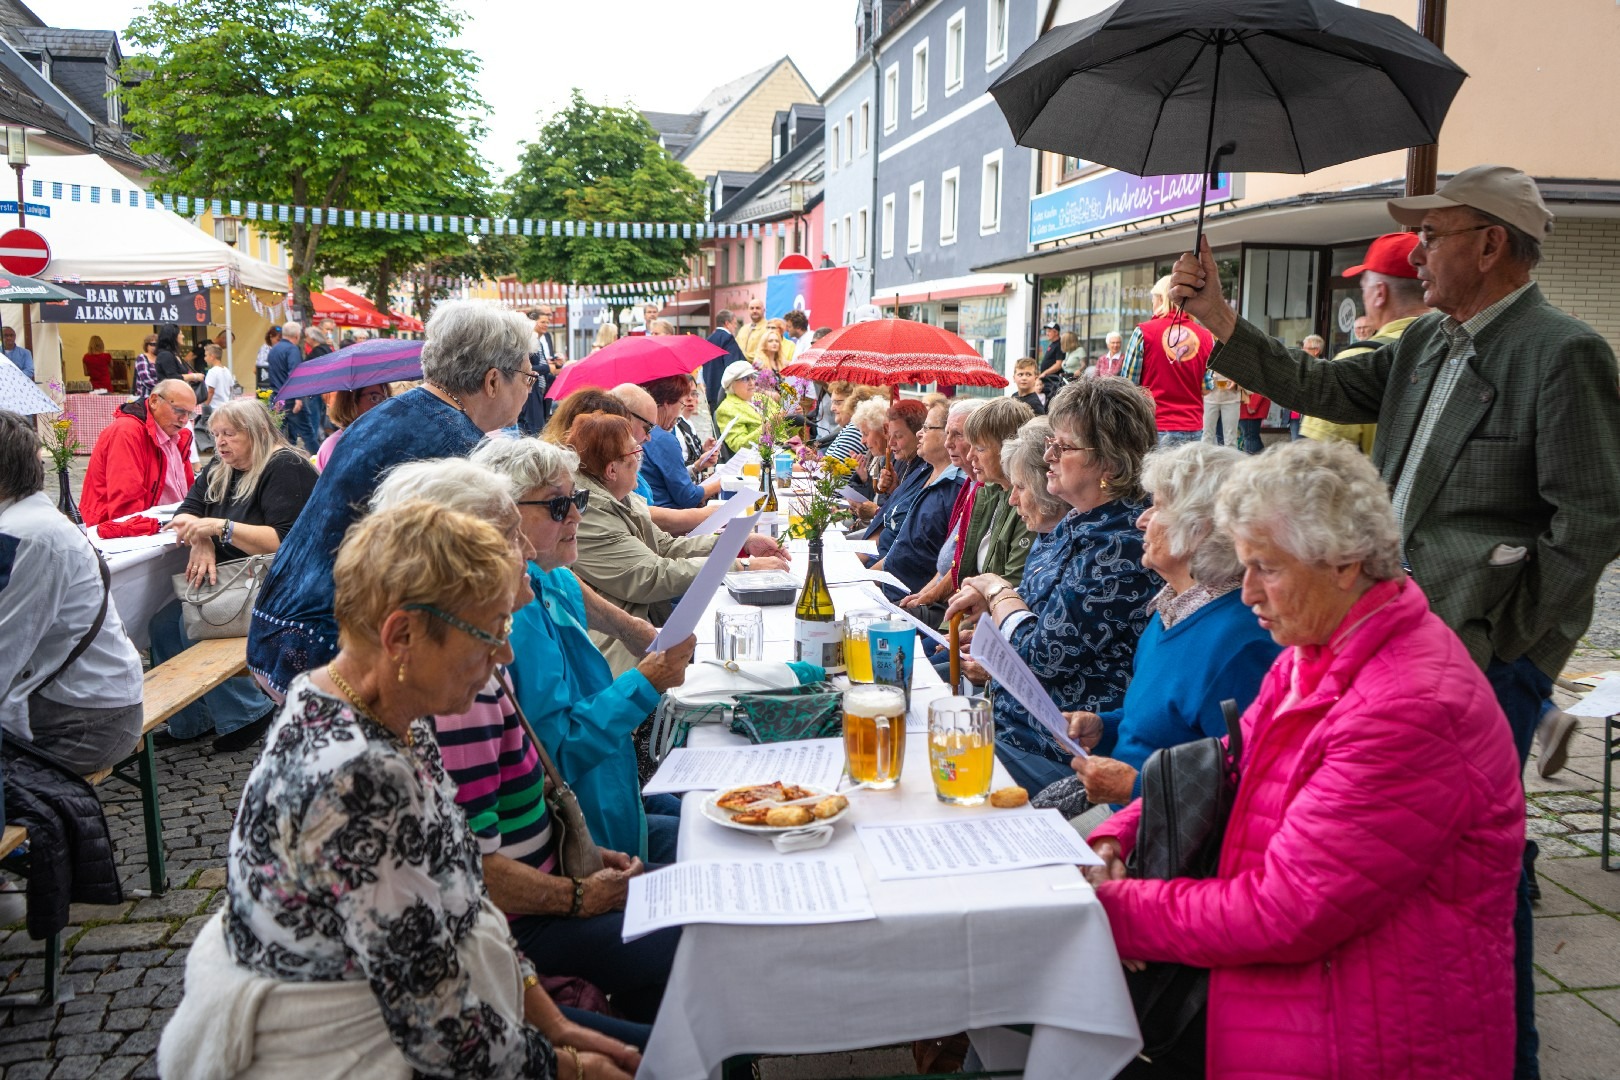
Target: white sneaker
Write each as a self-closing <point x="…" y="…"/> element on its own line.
<point x="1552" y="740"/>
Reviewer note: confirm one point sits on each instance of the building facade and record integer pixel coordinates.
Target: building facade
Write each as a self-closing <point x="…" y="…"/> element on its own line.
<point x="850" y="153"/>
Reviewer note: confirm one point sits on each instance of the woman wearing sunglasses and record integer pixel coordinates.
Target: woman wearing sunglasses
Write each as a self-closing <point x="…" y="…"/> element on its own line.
<point x="344" y="407"/>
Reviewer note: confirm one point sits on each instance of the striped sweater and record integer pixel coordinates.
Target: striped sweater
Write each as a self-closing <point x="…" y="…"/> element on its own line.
<point x="499" y="778"/>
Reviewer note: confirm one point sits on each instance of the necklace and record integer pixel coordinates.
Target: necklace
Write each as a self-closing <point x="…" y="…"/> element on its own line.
<point x="359" y="706"/>
<point x="454" y="400"/>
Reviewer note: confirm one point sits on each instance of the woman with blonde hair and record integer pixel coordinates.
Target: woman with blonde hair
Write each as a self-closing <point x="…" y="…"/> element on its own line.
<point x="606" y="334"/>
<point x="242" y="504"/>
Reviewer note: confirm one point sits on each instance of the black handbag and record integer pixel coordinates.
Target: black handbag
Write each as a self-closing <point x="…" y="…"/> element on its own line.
<point x="1187" y="796"/>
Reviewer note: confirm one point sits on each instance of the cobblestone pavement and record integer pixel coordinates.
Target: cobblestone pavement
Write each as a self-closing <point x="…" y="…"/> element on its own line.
<point x="124" y="963"/>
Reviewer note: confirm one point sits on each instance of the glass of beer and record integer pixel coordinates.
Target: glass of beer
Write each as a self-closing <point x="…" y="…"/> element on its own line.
<point x="857" y="649"/>
<point x="875" y="734"/>
<point x="961" y="749"/>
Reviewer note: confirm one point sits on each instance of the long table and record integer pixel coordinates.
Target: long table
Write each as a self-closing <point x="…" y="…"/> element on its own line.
<point x="142" y="578"/>
<point x="966" y="953"/>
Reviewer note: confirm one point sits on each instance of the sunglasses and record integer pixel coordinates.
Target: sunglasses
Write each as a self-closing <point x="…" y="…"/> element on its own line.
<point x="492" y="640"/>
<point x="559" y="506"/>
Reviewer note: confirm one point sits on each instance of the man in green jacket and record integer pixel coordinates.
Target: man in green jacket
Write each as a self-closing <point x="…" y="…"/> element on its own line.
<point x="1498" y="435"/>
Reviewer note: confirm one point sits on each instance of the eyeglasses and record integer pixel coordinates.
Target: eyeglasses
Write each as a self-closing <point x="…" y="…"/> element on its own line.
<point x="1430" y="239"/>
<point x="493" y="641"/>
<point x="559" y="506"/>
<point x="180" y="410"/>
<point x="532" y="376"/>
<point x="933" y="427"/>
<point x="1061" y="447"/>
<point x="630" y="453"/>
<point x="646" y="423"/>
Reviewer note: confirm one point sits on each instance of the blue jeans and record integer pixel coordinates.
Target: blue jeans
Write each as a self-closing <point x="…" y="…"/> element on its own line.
<point x="663" y="827"/>
<point x="315" y="410"/>
<point x="1522" y="690"/>
<point x="1176" y="438"/>
<point x="623" y="1030"/>
<point x="632" y="973"/>
<point x="235" y="703"/>
<point x="1031" y="771"/>
<point x="1249" y="437"/>
<point x="295" y="425"/>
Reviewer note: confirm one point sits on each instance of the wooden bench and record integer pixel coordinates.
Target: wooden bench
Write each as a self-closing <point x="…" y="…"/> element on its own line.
<point x="167" y="689"/>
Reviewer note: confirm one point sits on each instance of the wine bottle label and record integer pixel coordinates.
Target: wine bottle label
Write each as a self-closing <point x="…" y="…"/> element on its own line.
<point x="819" y="643"/>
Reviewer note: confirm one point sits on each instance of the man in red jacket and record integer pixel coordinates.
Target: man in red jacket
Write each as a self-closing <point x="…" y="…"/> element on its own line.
<point x="1168" y="354"/>
<point x="143" y="458"/>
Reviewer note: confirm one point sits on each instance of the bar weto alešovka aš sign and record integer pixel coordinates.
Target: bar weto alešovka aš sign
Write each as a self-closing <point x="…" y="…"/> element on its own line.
<point x="113" y="302"/>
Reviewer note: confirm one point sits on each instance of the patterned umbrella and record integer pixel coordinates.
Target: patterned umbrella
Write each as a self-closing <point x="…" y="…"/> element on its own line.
<point x="19" y="395"/>
<point x="888" y="352"/>
<point x="635" y="360"/>
<point x="16" y="289"/>
<point x="365" y="363"/>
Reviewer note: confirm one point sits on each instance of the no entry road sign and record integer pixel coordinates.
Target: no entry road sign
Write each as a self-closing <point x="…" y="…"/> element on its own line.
<point x="24" y="252"/>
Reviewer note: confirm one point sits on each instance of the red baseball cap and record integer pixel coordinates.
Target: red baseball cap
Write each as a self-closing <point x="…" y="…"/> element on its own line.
<point x="1388" y="255"/>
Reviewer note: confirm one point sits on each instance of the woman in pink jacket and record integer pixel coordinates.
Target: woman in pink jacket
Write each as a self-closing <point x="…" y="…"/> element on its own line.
<point x="1360" y="924"/>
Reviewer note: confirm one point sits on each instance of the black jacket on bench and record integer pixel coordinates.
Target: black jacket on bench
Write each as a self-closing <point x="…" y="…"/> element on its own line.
<point x="71" y="854"/>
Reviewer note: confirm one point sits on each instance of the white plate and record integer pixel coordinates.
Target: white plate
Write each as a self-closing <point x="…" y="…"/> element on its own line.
<point x="723" y="817"/>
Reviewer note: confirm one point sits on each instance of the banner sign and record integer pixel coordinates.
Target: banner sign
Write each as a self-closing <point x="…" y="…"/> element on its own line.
<point x="817" y="293"/>
<point x="148" y="305"/>
<point x="1116" y="198"/>
<point x="7" y="208"/>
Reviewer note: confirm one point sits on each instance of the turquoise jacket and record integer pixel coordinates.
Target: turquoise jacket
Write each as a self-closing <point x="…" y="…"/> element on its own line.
<point x="582" y="714"/>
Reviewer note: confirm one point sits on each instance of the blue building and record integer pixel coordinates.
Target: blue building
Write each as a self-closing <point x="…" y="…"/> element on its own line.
<point x="941" y="184"/>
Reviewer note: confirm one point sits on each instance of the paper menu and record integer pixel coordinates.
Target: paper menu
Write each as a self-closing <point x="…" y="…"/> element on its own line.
<point x="1604" y="701"/>
<point x="1005" y="666"/>
<point x="689" y="612"/>
<point x="740" y="503"/>
<point x="748" y="892"/>
<point x="981" y="844"/>
<point x="817" y="763"/>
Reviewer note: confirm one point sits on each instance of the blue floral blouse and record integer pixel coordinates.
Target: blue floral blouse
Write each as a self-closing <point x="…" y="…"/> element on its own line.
<point x="1091" y="598"/>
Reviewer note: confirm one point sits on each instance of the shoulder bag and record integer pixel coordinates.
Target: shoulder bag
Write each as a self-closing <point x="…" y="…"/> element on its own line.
<point x="224" y="609"/>
<point x="95" y="624"/>
<point x="708" y="696"/>
<point x="1187" y="796"/>
<point x="577" y="854"/>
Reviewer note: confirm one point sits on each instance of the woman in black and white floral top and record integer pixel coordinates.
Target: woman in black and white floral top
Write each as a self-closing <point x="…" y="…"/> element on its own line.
<point x="352" y="871"/>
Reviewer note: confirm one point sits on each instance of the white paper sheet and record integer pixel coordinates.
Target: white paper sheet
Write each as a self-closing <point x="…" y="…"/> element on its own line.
<point x="1005" y="666"/>
<point x="814" y="763"/>
<point x="1601" y="702"/>
<point x="901" y="613"/>
<point x="980" y="844"/>
<point x="746" y="456"/>
<point x="689" y="612"/>
<point x="739" y="504"/>
<point x="119" y="545"/>
<point x="748" y="892"/>
<point x="836" y="542"/>
<point x="852" y="494"/>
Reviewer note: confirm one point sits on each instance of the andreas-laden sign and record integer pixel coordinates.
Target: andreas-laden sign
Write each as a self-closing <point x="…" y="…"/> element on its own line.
<point x="148" y="305"/>
<point x="1116" y="198"/>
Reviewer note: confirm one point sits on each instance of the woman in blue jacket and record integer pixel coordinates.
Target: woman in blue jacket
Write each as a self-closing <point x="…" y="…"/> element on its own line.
<point x="580" y="712"/>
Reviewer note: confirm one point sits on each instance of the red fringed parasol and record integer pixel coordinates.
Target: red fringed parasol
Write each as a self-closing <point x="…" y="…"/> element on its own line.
<point x="887" y="352"/>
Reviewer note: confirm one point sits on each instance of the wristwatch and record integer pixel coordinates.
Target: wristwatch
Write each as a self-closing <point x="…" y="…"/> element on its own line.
<point x="995" y="591"/>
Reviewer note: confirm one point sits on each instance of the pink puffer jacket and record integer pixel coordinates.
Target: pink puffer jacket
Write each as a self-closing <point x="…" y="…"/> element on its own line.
<point x="1361" y="923"/>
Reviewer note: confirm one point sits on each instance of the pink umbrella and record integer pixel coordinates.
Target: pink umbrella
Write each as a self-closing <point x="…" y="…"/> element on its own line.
<point x="635" y="360"/>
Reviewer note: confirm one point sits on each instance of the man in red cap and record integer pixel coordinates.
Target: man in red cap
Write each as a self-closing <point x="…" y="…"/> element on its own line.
<point x="1392" y="296"/>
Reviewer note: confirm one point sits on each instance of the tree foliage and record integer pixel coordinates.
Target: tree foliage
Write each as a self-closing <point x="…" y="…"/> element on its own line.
<point x="602" y="163"/>
<point x="323" y="103"/>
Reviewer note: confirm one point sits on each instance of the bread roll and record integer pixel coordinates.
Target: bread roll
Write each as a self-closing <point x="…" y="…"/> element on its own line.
<point x="1008" y="797"/>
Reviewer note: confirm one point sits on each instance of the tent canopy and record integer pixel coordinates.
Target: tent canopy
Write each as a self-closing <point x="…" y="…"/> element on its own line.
<point x="104" y="241"/>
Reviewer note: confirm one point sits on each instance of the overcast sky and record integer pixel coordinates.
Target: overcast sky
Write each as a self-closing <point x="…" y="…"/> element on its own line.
<point x="663" y="55"/>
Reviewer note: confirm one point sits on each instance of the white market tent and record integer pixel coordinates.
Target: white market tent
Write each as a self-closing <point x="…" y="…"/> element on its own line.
<point x="96" y="239"/>
<point x="103" y="241"/>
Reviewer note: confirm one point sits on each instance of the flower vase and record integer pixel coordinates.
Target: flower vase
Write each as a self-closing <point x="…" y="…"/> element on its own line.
<point x="64" y="498"/>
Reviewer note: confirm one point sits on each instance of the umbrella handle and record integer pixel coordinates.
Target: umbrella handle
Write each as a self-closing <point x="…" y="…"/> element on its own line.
<point x="1207" y="181"/>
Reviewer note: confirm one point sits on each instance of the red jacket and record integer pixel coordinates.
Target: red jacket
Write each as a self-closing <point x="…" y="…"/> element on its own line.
<point x="126" y="466"/>
<point x="1175" y="353"/>
<point x="1361" y="923"/>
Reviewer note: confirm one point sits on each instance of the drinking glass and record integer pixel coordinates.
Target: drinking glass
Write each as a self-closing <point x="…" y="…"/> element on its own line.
<point x="857" y="649"/>
<point x="739" y="633"/>
<point x="893" y="644"/>
<point x="961" y="749"/>
<point x="874" y="734"/>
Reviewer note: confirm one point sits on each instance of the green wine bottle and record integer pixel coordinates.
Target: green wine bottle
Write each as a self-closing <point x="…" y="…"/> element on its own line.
<point x="817" y="637"/>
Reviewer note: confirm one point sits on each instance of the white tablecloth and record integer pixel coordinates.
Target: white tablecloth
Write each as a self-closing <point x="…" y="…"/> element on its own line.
<point x="142" y="583"/>
<point x="944" y="954"/>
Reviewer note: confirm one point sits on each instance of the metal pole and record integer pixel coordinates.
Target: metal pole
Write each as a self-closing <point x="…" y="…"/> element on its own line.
<point x="1422" y="162"/>
<point x="28" y="309"/>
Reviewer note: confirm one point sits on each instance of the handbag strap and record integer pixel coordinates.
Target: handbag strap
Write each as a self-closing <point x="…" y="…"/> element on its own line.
<point x="95" y="625"/>
<point x="1234" y="731"/>
<point x="539" y="747"/>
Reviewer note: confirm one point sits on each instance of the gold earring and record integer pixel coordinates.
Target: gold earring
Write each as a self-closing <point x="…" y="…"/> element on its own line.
<point x="401" y="676"/>
<point x="1103" y="484"/>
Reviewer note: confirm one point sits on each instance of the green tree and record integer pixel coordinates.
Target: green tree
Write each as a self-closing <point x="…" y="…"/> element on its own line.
<point x="601" y="163"/>
<point x="322" y="103"/>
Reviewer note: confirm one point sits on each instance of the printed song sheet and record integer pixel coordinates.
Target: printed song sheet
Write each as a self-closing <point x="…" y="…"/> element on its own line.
<point x="741" y="501"/>
<point x="814" y="763"/>
<point x="689" y="612"/>
<point x="1005" y="666"/>
<point x="901" y="613"/>
<point x="748" y="892"/>
<point x="983" y="844"/>
<point x="1601" y="702"/>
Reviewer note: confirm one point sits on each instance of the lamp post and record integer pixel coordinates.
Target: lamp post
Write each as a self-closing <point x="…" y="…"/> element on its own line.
<point x="227" y="230"/>
<point x="796" y="189"/>
<point x="17" y="156"/>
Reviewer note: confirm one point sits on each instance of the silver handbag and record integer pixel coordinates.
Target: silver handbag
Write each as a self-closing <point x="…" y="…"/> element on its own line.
<point x="224" y="609"/>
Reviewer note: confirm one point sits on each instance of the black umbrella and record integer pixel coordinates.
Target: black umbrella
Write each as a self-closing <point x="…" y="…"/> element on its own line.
<point x="1154" y="87"/>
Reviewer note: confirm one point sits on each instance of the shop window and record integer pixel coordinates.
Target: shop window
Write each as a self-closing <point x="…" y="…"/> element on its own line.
<point x="1279" y="291"/>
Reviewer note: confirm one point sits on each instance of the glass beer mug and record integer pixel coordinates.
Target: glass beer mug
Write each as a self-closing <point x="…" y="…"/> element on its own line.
<point x="875" y="734"/>
<point x="961" y="749"/>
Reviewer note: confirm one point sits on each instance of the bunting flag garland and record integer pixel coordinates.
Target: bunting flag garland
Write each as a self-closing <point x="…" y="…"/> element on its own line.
<point x="394" y="221"/>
